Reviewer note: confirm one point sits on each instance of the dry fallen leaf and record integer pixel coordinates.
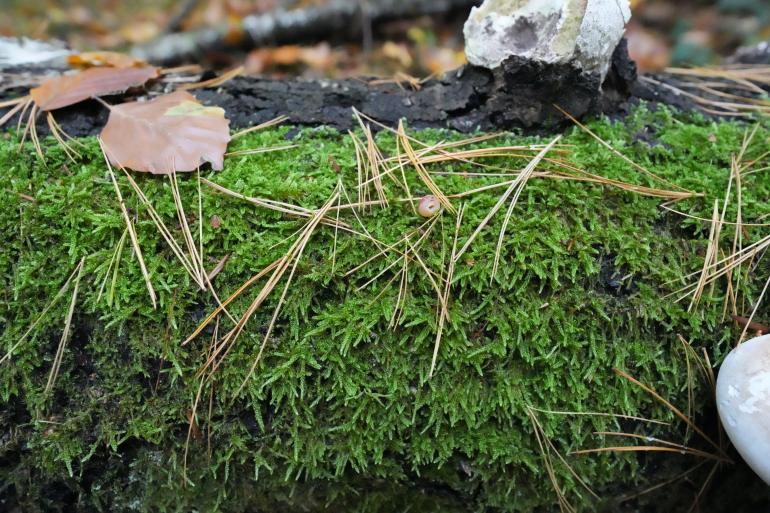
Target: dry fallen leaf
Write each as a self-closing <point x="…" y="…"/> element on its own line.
<point x="171" y="133"/>
<point x="647" y="49"/>
<point x="319" y="57"/>
<point x="104" y="59"/>
<point x="66" y="90"/>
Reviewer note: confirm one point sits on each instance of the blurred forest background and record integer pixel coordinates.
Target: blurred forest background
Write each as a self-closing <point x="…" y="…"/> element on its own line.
<point x="661" y="33"/>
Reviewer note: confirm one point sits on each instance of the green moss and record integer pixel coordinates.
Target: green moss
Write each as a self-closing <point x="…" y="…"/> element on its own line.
<point x="340" y="412"/>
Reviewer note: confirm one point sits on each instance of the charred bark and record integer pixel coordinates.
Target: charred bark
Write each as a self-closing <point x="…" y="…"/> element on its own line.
<point x="519" y="94"/>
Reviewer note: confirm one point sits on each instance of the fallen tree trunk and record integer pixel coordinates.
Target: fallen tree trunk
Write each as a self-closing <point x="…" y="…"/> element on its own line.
<point x="519" y="94"/>
<point x="338" y="19"/>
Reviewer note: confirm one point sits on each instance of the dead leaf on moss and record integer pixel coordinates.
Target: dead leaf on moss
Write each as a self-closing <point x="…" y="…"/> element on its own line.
<point x="173" y="132"/>
<point x="104" y="59"/>
<point x="66" y="90"/>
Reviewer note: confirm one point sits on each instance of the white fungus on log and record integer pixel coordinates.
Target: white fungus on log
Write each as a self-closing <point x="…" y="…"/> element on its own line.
<point x="743" y="401"/>
<point x="584" y="32"/>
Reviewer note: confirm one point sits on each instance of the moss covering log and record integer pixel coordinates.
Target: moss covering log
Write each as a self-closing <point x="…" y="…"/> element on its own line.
<point x="340" y="413"/>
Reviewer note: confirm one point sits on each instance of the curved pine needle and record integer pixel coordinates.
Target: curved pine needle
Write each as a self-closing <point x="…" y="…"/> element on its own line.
<point x="673" y="409"/>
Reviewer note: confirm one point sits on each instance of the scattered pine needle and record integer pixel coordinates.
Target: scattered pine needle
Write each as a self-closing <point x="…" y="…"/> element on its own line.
<point x="278" y="206"/>
<point x="421" y="172"/>
<point x="218" y="268"/>
<point x="546" y="448"/>
<point x="63" y="137"/>
<point x="616" y="152"/>
<point x="259" y="151"/>
<point x="712" y="253"/>
<point x="212" y="316"/>
<point x="113" y="266"/>
<point x="443" y="311"/>
<point x="649" y="448"/>
<point x="651" y="391"/>
<point x="42" y="315"/>
<point x="666" y="446"/>
<point x="261" y="126"/>
<point x="601" y="414"/>
<point x="130" y="228"/>
<point x="65" y="334"/>
<point x="213" y="82"/>
<point x="19" y="104"/>
<point x="514" y="186"/>
<point x="294" y="255"/>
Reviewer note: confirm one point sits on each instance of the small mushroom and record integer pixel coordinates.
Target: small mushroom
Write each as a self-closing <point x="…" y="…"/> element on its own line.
<point x="743" y="401"/>
<point x="429" y="206"/>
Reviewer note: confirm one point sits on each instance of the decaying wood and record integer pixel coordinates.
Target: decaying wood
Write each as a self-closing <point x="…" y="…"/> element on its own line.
<point x="518" y="94"/>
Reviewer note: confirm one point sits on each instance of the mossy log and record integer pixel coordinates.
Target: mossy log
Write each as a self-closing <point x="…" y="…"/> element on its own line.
<point x="341" y="414"/>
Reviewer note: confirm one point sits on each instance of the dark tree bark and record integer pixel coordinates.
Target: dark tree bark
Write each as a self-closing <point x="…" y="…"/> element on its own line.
<point x="519" y="94"/>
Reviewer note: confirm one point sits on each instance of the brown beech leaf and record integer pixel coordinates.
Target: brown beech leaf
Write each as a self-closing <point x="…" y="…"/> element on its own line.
<point x="66" y="90"/>
<point x="173" y="132"/>
<point x="100" y="59"/>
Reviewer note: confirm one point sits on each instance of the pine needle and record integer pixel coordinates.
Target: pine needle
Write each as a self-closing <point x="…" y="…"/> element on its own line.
<point x="42" y="315"/>
<point x="262" y="126"/>
<point x="521" y="183"/>
<point x="546" y="448"/>
<point x="259" y="151"/>
<point x="676" y="447"/>
<point x="616" y="152"/>
<point x="232" y="298"/>
<point x="298" y="249"/>
<point x="712" y="252"/>
<point x="444" y="310"/>
<point x="113" y="266"/>
<point x="651" y="391"/>
<point x="32" y="126"/>
<point x="19" y="104"/>
<point x="63" y="137"/>
<point x="278" y="206"/>
<point x="421" y="172"/>
<point x="648" y="448"/>
<point x="15" y="102"/>
<point x="194" y="257"/>
<point x="130" y="228"/>
<point x="511" y="189"/>
<point x="65" y="334"/>
<point x="213" y="82"/>
<point x="601" y="414"/>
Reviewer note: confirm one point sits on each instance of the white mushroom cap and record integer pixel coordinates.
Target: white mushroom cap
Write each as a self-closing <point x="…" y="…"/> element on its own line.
<point x="743" y="400"/>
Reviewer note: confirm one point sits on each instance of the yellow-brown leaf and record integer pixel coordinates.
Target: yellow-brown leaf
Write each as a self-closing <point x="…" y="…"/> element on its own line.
<point x="66" y="90"/>
<point x="170" y="133"/>
<point x="104" y="59"/>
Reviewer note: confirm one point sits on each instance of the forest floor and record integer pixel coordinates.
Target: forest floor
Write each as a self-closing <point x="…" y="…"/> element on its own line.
<point x="545" y="304"/>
